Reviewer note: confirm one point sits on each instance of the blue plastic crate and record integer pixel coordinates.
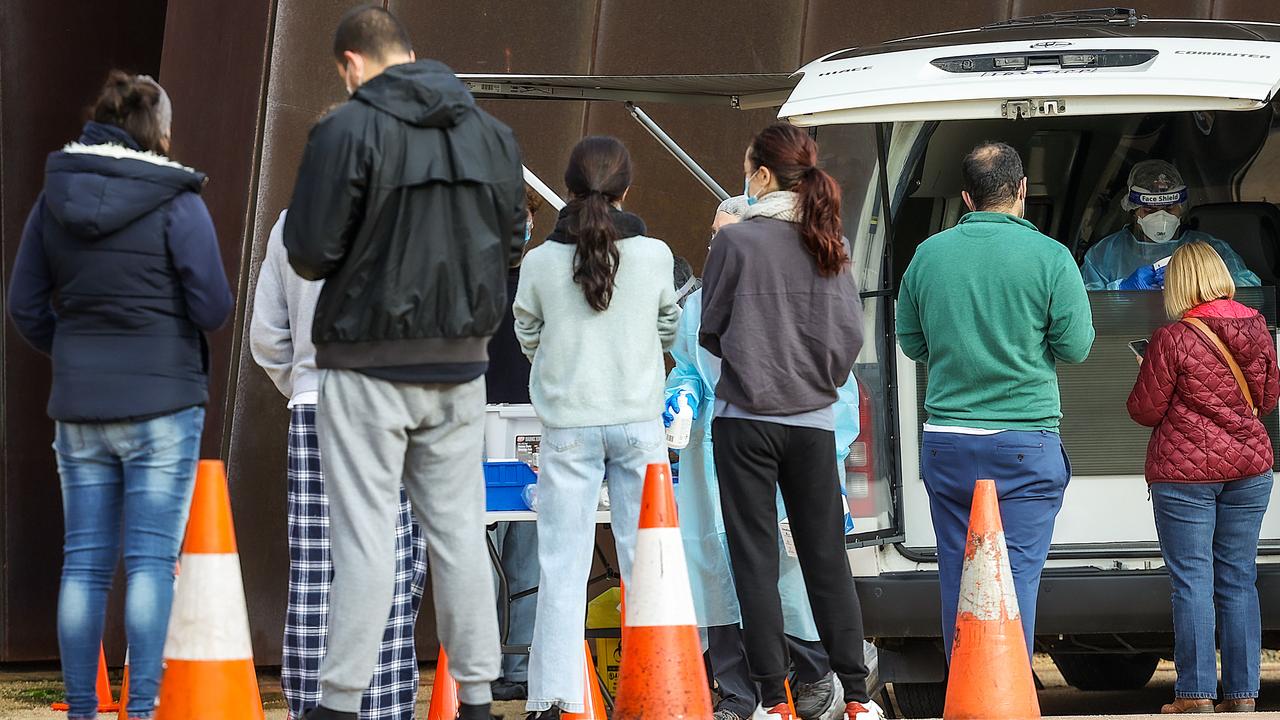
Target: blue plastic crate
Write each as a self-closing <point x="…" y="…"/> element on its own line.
<point x="504" y="483"/>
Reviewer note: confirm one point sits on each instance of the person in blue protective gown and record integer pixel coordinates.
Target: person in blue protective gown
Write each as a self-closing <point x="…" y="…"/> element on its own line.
<point x="702" y="527"/>
<point x="1128" y="259"/>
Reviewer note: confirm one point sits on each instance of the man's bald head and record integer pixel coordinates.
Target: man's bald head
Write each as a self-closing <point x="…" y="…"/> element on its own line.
<point x="993" y="177"/>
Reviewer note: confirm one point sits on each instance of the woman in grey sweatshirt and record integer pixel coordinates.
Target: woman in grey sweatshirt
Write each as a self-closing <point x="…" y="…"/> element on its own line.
<point x="595" y="310"/>
<point x="280" y="337"/>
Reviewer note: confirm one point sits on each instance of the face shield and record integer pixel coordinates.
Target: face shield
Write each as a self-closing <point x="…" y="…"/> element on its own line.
<point x="1156" y="193"/>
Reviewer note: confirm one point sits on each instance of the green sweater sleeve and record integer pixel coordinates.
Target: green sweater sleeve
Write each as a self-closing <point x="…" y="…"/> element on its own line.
<point x="910" y="332"/>
<point x="1070" y="319"/>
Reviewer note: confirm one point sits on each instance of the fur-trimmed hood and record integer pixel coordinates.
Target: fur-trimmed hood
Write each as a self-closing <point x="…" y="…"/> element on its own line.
<point x="104" y="182"/>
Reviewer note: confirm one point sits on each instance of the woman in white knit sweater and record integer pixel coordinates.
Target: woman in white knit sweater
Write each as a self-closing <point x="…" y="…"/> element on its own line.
<point x="594" y="312"/>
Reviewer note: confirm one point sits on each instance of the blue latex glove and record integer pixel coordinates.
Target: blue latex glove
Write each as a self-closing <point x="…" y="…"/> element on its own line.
<point x="1145" y="277"/>
<point x="673" y="404"/>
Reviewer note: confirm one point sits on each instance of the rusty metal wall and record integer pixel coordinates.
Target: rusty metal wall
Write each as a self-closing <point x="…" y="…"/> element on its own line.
<point x="249" y="76"/>
<point x="54" y="56"/>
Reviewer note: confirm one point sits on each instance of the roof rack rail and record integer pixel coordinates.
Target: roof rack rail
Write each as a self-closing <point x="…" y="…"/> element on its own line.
<point x="1097" y="16"/>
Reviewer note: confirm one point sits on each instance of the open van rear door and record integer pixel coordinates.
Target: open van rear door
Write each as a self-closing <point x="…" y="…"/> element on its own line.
<point x="1090" y="76"/>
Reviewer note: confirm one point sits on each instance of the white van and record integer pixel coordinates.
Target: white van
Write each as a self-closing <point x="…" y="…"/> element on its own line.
<point x="1083" y="96"/>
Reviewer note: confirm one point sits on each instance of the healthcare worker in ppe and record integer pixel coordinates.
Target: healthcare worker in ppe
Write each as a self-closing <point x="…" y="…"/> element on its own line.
<point x="1127" y="259"/>
<point x="693" y="380"/>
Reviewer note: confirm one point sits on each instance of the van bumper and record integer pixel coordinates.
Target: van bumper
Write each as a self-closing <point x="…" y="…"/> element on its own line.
<point x="1073" y="601"/>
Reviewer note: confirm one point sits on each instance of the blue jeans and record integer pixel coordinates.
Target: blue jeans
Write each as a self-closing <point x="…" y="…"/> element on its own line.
<point x="574" y="462"/>
<point x="1031" y="472"/>
<point x="1209" y="539"/>
<point x="130" y="484"/>
<point x="517" y="543"/>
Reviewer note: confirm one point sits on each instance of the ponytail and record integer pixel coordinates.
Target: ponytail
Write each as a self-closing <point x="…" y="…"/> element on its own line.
<point x="595" y="262"/>
<point x="793" y="157"/>
<point x="598" y="175"/>
<point x="138" y="105"/>
<point x="820" y="226"/>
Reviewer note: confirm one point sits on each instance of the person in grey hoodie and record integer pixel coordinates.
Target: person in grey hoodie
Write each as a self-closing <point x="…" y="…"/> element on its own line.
<point x="280" y="337"/>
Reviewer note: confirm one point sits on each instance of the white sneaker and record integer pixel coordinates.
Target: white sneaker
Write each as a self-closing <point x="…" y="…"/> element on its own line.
<point x="863" y="711"/>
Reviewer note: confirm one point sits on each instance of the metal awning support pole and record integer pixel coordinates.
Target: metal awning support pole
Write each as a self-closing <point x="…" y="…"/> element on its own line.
<point x="676" y="151"/>
<point x="543" y="189"/>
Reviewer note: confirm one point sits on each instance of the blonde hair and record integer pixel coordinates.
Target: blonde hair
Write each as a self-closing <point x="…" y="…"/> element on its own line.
<point x="1196" y="274"/>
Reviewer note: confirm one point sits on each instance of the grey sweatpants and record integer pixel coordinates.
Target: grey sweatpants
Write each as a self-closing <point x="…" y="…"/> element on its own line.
<point x="374" y="436"/>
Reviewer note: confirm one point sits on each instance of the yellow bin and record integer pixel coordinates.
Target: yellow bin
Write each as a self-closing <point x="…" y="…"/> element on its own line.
<point x="605" y="613"/>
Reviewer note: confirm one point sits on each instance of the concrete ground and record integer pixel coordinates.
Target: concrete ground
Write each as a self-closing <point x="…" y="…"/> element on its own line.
<point x="26" y="692"/>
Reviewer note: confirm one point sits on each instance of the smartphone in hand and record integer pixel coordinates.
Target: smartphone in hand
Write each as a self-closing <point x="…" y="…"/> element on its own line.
<point x="1139" y="347"/>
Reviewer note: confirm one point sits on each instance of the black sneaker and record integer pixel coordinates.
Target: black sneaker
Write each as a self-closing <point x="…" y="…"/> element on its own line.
<point x="816" y="699"/>
<point x="324" y="713"/>
<point x="506" y="690"/>
<point x="726" y="714"/>
<point x="552" y="714"/>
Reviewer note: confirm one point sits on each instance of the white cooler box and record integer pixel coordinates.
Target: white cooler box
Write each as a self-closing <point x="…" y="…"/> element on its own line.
<point x="511" y="432"/>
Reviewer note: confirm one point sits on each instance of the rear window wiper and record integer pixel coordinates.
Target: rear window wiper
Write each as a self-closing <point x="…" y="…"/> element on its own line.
<point x="1099" y="16"/>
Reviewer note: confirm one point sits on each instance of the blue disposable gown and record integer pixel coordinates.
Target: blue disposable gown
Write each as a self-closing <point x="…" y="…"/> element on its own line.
<point x="1116" y="256"/>
<point x="698" y="494"/>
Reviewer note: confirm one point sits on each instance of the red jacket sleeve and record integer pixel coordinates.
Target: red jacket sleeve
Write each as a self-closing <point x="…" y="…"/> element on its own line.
<point x="1271" y="383"/>
<point x="1153" y="390"/>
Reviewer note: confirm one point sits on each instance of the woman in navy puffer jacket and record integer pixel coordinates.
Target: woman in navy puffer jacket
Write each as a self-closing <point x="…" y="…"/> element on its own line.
<point x="117" y="278"/>
<point x="1209" y="469"/>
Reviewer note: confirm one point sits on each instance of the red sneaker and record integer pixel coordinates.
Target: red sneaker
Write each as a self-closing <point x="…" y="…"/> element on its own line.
<point x="781" y="711"/>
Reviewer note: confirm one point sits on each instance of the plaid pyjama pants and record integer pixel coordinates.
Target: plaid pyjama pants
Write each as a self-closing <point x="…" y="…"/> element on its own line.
<point x="393" y="690"/>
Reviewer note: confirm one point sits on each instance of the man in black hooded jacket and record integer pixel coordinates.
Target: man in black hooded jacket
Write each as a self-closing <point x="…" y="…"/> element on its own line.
<point x="410" y="205"/>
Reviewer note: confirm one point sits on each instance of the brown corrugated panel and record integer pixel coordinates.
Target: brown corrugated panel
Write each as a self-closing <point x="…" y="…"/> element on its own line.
<point x="214" y="72"/>
<point x="839" y="24"/>
<point x="55" y="55"/>
<point x="674" y="36"/>
<point x="501" y="36"/>
<point x="1265" y="10"/>
<point x="214" y="68"/>
<point x="303" y="81"/>
<point x="1154" y="8"/>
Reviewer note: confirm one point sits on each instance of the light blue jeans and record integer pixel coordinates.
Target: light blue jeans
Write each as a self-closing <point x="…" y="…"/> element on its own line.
<point x="574" y="462"/>
<point x="123" y="484"/>
<point x="1209" y="539"/>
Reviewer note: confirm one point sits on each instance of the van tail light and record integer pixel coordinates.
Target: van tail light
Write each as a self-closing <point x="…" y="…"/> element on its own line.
<point x="859" y="466"/>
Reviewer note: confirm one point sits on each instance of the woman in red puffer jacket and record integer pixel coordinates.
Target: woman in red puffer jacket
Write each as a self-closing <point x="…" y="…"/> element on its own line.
<point x="1209" y="470"/>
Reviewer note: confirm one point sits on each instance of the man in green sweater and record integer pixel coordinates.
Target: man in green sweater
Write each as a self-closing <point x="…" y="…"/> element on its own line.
<point x="991" y="306"/>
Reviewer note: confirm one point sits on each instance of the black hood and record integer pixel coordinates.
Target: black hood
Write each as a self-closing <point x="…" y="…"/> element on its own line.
<point x="425" y="93"/>
<point x="104" y="182"/>
<point x="627" y="225"/>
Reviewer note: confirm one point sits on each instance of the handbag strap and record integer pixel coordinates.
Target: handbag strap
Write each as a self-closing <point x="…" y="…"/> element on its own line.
<point x="1227" y="356"/>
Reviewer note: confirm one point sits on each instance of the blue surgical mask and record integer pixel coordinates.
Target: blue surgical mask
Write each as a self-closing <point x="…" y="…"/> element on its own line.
<point x="528" y="232"/>
<point x="746" y="190"/>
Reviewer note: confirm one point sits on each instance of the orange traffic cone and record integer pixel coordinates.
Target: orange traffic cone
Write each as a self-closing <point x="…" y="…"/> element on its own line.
<point x="106" y="703"/>
<point x="592" y="699"/>
<point x="990" y="674"/>
<point x="662" y="673"/>
<point x="124" y="690"/>
<point x="209" y="669"/>
<point x="444" y="692"/>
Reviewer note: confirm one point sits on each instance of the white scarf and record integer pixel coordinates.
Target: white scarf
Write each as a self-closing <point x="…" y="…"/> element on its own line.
<point x="779" y="205"/>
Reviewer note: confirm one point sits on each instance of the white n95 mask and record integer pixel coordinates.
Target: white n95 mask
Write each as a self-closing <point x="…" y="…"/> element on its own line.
<point x="1160" y="226"/>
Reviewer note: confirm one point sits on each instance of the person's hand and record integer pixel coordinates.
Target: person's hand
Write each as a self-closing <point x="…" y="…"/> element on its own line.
<point x="1146" y="277"/>
<point x="1139" y="359"/>
<point x="673" y="406"/>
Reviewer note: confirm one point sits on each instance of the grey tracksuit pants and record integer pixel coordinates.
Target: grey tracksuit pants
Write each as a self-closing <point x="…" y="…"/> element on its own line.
<point x="375" y="436"/>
